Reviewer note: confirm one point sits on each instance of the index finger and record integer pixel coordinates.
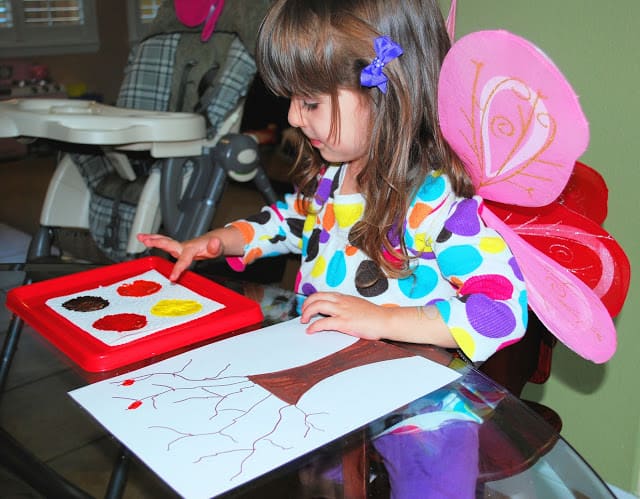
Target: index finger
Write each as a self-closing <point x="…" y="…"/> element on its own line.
<point x="182" y="263"/>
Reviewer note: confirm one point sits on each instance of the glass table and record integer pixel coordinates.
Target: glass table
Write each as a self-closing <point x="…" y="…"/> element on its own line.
<point x="471" y="438"/>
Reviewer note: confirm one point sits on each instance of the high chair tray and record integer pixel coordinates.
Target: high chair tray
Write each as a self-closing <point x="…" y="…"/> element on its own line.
<point x="112" y="316"/>
<point x="165" y="134"/>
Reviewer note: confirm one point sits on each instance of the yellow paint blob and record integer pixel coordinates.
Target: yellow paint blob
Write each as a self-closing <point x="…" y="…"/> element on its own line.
<point x="175" y="308"/>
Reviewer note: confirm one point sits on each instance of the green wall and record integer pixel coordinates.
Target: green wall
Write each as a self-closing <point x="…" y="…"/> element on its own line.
<point x="596" y="45"/>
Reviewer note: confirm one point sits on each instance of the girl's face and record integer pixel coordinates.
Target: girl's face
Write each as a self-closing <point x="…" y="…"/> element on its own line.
<point x="313" y="116"/>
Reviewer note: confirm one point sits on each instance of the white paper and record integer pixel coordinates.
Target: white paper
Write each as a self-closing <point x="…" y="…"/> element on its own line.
<point x="204" y="427"/>
<point x="133" y="304"/>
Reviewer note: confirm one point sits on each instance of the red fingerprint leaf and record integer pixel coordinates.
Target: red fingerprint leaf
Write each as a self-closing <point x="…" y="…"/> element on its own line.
<point x="135" y="405"/>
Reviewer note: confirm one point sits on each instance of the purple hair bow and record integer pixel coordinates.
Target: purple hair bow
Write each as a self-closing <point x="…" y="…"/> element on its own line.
<point x="386" y="51"/>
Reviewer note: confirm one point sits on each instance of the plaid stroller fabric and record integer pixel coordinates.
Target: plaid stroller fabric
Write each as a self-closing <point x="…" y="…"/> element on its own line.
<point x="156" y="80"/>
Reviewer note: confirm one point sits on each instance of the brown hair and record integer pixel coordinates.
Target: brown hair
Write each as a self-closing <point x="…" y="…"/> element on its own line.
<point x="311" y="47"/>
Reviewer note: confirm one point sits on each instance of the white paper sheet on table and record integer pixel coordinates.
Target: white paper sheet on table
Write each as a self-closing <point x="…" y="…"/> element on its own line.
<point x="204" y="427"/>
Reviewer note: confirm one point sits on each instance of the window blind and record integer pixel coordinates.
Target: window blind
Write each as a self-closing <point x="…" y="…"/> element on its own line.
<point x="6" y="20"/>
<point x="47" y="13"/>
<point x="148" y="10"/>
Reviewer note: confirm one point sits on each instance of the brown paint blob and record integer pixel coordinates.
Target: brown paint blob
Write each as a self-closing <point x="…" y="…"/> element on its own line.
<point x="86" y="304"/>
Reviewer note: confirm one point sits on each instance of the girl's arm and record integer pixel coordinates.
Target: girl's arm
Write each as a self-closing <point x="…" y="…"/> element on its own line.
<point x="361" y="318"/>
<point x="276" y="230"/>
<point x="267" y="232"/>
<point x="227" y="241"/>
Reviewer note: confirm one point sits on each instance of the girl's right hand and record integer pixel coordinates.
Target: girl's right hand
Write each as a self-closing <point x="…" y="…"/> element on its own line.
<point x="203" y="247"/>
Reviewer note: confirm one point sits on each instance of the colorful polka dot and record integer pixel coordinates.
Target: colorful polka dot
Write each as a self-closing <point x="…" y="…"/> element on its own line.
<point x="493" y="245"/>
<point x="300" y="207"/>
<point x="337" y="270"/>
<point x="489" y="318"/>
<point x="516" y="268"/>
<point x="422" y="243"/>
<point x="348" y="214"/>
<point x="324" y="190"/>
<point x="419" y="284"/>
<point x="370" y="280"/>
<point x="236" y="263"/>
<point x="522" y="299"/>
<point x="464" y="221"/>
<point x="459" y="260"/>
<point x="433" y="188"/>
<point x="246" y="229"/>
<point x="350" y="250"/>
<point x="392" y="258"/>
<point x="464" y="340"/>
<point x="313" y="245"/>
<point x="419" y="212"/>
<point x="252" y="255"/>
<point x="329" y="218"/>
<point x="507" y="344"/>
<point x="295" y="226"/>
<point x="308" y="289"/>
<point x="496" y="287"/>
<point x="444" y="307"/>
<point x="309" y="223"/>
<point x="319" y="267"/>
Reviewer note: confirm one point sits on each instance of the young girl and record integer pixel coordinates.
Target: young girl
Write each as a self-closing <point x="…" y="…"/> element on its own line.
<point x="384" y="217"/>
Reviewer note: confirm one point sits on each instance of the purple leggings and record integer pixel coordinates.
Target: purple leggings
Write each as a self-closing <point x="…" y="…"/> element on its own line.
<point x="431" y="464"/>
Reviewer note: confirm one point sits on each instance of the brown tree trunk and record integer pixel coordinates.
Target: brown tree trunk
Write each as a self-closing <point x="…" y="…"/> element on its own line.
<point x="290" y="384"/>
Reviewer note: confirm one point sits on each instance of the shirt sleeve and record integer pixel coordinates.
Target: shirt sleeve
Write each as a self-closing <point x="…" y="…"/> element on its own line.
<point x="489" y="310"/>
<point x="276" y="230"/>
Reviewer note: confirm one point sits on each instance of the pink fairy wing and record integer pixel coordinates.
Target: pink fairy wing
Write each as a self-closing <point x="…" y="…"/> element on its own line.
<point x="451" y="21"/>
<point x="564" y="304"/>
<point x="511" y="116"/>
<point x="586" y="193"/>
<point x="575" y="242"/>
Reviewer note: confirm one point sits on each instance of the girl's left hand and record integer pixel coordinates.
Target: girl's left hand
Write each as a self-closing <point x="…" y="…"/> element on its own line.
<point x="345" y="313"/>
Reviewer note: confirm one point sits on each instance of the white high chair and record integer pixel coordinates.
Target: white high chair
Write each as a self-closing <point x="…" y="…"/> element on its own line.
<point x="186" y="212"/>
<point x="116" y="191"/>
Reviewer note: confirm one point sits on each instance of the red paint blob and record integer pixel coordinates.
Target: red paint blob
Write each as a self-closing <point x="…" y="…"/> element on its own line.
<point x="128" y="382"/>
<point x="121" y="322"/>
<point x="139" y="288"/>
<point x="135" y="405"/>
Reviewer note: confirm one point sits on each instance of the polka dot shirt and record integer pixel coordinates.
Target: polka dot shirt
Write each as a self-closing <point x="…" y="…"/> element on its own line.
<point x="462" y="267"/>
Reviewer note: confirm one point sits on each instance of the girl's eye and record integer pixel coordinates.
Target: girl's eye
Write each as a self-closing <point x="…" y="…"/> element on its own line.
<point x="310" y="106"/>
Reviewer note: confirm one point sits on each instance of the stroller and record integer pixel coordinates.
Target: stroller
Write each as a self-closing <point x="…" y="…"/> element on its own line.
<point x="116" y="194"/>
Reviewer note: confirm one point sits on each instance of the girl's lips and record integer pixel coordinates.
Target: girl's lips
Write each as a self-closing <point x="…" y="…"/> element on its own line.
<point x="315" y="142"/>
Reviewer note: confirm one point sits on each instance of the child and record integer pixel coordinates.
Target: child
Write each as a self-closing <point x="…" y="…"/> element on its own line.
<point x="384" y="217"/>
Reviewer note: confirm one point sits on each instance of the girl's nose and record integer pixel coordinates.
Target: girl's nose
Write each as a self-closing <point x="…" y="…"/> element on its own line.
<point x="295" y="114"/>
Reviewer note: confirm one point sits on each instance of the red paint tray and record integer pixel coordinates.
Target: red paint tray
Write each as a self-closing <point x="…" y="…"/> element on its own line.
<point x="29" y="303"/>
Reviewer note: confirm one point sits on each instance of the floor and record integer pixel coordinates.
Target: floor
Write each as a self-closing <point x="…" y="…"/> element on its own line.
<point x="32" y="408"/>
